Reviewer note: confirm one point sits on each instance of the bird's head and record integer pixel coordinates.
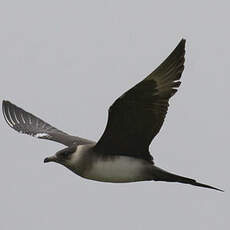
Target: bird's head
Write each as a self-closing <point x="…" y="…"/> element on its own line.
<point x="62" y="156"/>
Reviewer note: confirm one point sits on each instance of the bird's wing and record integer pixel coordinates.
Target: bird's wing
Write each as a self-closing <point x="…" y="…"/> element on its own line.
<point x="27" y="123"/>
<point x="136" y="117"/>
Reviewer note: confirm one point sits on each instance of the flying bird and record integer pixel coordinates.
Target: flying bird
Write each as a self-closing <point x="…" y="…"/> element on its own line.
<point x="134" y="119"/>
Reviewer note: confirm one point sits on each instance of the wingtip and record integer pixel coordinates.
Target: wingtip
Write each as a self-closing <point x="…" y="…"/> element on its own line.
<point x="4" y="105"/>
<point x="179" y="51"/>
<point x="183" y="41"/>
<point x="181" y="44"/>
<point x="5" y="102"/>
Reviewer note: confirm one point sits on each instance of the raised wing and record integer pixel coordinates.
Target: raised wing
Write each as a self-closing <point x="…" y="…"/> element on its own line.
<point x="27" y="123"/>
<point x="136" y="117"/>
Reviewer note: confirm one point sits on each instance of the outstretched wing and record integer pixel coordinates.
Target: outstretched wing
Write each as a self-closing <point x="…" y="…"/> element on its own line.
<point x="27" y="123"/>
<point x="136" y="117"/>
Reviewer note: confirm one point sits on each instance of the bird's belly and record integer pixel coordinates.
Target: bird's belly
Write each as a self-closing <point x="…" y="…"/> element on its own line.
<point x="119" y="170"/>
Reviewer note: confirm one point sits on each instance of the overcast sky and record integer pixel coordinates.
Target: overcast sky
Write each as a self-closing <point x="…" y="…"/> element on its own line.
<point x="66" y="62"/>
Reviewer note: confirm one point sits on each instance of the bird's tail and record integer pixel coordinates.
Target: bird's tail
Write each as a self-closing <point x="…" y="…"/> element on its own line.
<point x="162" y="175"/>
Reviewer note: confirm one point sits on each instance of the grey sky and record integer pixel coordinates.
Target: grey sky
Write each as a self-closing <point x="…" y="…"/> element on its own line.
<point x="67" y="61"/>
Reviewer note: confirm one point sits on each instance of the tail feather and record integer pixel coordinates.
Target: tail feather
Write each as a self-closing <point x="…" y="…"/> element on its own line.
<point x="205" y="186"/>
<point x="162" y="175"/>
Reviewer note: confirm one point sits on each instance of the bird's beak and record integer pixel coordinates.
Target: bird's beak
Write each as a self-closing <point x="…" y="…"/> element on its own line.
<point x="49" y="159"/>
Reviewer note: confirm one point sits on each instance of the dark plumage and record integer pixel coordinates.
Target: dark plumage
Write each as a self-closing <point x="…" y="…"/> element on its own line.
<point x="135" y="118"/>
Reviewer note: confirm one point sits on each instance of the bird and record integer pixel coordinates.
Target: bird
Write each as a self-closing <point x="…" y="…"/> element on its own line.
<point x="121" y="155"/>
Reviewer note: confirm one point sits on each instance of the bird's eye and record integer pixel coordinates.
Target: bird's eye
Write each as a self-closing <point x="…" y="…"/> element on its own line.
<point x="66" y="153"/>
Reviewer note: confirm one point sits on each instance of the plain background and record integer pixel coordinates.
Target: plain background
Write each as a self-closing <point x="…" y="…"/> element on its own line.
<point x="66" y="62"/>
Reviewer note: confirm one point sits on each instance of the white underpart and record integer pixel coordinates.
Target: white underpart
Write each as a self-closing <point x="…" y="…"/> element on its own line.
<point x="121" y="169"/>
<point x="112" y="169"/>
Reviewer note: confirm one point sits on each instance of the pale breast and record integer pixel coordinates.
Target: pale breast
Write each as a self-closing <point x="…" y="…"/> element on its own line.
<point x="119" y="169"/>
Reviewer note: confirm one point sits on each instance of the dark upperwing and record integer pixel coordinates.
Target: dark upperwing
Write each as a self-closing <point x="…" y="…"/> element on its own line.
<point x="136" y="117"/>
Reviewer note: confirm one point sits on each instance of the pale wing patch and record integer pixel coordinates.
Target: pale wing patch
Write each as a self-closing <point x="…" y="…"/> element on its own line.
<point x="7" y="120"/>
<point x="40" y="135"/>
<point x="10" y="117"/>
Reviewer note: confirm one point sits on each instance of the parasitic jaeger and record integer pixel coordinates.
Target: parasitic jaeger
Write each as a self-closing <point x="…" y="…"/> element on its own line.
<point x="135" y="118"/>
